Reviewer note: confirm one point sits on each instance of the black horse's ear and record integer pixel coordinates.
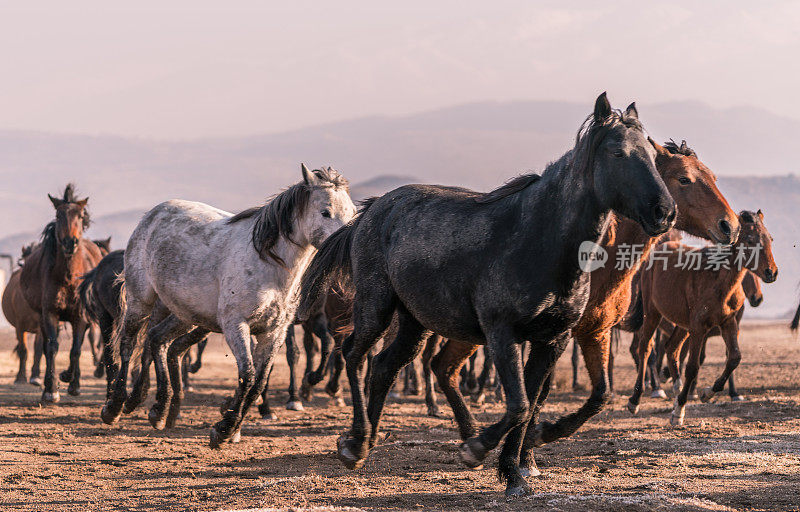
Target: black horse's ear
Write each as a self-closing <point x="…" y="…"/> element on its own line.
<point x="747" y="217"/>
<point x="602" y="108"/>
<point x="56" y="201"/>
<point x="631" y="111"/>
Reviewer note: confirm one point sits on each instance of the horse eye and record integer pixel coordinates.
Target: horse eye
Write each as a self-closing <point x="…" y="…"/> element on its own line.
<point x="683" y="180"/>
<point x="619" y="153"/>
<point x="326" y="214"/>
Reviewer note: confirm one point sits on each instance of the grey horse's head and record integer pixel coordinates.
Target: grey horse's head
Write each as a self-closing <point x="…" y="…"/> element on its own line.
<point x="328" y="207"/>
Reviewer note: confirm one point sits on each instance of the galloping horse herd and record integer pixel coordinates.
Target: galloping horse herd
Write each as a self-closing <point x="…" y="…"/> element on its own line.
<point x="431" y="270"/>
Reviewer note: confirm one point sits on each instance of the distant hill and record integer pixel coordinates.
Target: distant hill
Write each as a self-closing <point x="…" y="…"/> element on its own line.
<point x="476" y="145"/>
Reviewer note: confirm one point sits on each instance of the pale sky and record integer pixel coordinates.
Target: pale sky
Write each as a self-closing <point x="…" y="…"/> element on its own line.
<point x="200" y="68"/>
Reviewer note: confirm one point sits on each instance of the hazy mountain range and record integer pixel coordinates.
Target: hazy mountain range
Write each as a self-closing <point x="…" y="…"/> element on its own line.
<point x="475" y="145"/>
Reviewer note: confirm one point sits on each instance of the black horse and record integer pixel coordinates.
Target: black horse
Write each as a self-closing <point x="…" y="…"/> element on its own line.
<point x="493" y="268"/>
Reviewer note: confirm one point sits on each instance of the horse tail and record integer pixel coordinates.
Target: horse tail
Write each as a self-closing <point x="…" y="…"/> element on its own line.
<point x="86" y="294"/>
<point x="330" y="264"/>
<point x="635" y="317"/>
<point x="795" y="320"/>
<point x="141" y="334"/>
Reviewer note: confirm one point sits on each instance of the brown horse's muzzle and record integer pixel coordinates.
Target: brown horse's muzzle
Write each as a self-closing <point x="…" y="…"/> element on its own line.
<point x="70" y="245"/>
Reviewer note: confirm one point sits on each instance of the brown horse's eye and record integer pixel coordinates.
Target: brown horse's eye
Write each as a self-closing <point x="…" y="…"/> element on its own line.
<point x="683" y="180"/>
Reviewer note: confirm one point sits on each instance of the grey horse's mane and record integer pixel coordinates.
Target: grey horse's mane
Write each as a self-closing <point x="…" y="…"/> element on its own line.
<point x="587" y="140"/>
<point x="275" y="218"/>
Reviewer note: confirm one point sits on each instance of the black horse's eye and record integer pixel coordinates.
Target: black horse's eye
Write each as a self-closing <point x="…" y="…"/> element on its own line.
<point x="618" y="153"/>
<point x="683" y="180"/>
<point x="326" y="214"/>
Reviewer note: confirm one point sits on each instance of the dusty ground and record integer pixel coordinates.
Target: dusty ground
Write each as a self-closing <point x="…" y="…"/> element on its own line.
<point x="743" y="456"/>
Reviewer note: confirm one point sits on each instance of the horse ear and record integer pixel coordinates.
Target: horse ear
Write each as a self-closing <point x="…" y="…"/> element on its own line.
<point x="83" y="202"/>
<point x="631" y="111"/>
<point x="602" y="108"/>
<point x="56" y="201"/>
<point x="661" y="150"/>
<point x="760" y="214"/>
<point x="308" y="176"/>
<point x="747" y="217"/>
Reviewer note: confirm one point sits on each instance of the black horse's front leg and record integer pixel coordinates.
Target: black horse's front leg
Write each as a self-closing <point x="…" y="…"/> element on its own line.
<point x="78" y="335"/>
<point x="49" y="327"/>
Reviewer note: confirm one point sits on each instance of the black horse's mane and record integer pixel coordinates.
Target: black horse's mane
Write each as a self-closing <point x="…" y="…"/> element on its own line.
<point x="682" y="149"/>
<point x="275" y="218"/>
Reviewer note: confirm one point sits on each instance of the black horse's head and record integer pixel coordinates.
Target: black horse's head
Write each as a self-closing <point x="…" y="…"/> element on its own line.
<point x="613" y="147"/>
<point x="71" y="219"/>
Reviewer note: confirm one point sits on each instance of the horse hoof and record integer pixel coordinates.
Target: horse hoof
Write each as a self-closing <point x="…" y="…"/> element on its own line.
<point x="738" y="398"/>
<point x="676" y="420"/>
<point x="271" y="416"/>
<point x="336" y="402"/>
<point x="156" y="420"/>
<point x="518" y="490"/>
<point x="20" y="380"/>
<point x="108" y="417"/>
<point x="51" y="398"/>
<point x="346" y="454"/>
<point x="707" y="394"/>
<point x="74" y="390"/>
<point x="472" y="452"/>
<point x="433" y="412"/>
<point x="538" y="431"/>
<point x="65" y="376"/>
<point x="479" y="399"/>
<point x="658" y="393"/>
<point x="237" y="437"/>
<point x="98" y="372"/>
<point x="36" y="381"/>
<point x="529" y="472"/>
<point x="692" y="396"/>
<point x="394" y="395"/>
<point x="632" y="407"/>
<point x="190" y="389"/>
<point x="215" y="439"/>
<point x="295" y="405"/>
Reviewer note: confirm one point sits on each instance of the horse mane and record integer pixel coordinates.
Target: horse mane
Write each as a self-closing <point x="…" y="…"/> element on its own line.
<point x="48" y="241"/>
<point x="581" y="157"/>
<point x="275" y="218"/>
<point x="675" y="149"/>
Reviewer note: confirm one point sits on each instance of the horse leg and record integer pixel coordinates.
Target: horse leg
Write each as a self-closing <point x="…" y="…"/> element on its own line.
<point x="141" y="383"/>
<point x="186" y="362"/>
<point x="693" y="389"/>
<point x="78" y="335"/>
<point x="673" y="349"/>
<point x="430" y="391"/>
<point x="49" y="327"/>
<point x="94" y="341"/>
<point x="333" y="388"/>
<point x="730" y="334"/>
<point x="253" y="374"/>
<point x="310" y="349"/>
<point x="320" y="329"/>
<point x="507" y="354"/>
<point x="484" y="379"/>
<point x="106" y="322"/>
<point x="38" y="350"/>
<point x="645" y="345"/>
<point x="198" y="360"/>
<point x="160" y="338"/>
<point x="538" y="371"/>
<point x="409" y="341"/>
<point x="264" y="409"/>
<point x="176" y="362"/>
<point x="692" y="367"/>
<point x="22" y="354"/>
<point x="595" y="347"/>
<point x="446" y="365"/>
<point x="292" y="358"/>
<point x="576" y="356"/>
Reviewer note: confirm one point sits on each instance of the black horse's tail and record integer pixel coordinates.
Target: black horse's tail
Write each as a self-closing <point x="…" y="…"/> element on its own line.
<point x="635" y="317"/>
<point x="86" y="294"/>
<point x="796" y="319"/>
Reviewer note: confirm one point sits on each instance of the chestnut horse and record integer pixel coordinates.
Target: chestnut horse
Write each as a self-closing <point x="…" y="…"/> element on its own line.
<point x="50" y="279"/>
<point x="24" y="320"/>
<point x="702" y="211"/>
<point x="699" y="300"/>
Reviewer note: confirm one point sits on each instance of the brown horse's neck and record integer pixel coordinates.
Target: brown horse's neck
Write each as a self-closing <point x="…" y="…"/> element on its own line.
<point x="622" y="234"/>
<point x="70" y="268"/>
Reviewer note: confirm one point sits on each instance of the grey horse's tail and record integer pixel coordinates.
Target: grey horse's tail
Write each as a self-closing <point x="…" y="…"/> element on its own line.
<point x="635" y="318"/>
<point x="141" y="334"/>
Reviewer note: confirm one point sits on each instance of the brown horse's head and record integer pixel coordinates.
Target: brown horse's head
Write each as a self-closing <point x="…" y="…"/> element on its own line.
<point x="702" y="209"/>
<point x="71" y="219"/>
<point x="754" y="235"/>
<point x="752" y="289"/>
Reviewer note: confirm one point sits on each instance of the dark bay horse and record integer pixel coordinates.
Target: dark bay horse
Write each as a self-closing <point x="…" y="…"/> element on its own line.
<point x="25" y="321"/>
<point x="699" y="301"/>
<point x="493" y="268"/>
<point x="50" y="279"/>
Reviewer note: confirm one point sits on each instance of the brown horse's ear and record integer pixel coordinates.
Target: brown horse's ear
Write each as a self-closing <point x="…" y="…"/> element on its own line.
<point x="661" y="150"/>
<point x="760" y="215"/>
<point x="631" y="111"/>
<point x="83" y="202"/>
<point x="56" y="201"/>
<point x="747" y="217"/>
<point x="602" y="108"/>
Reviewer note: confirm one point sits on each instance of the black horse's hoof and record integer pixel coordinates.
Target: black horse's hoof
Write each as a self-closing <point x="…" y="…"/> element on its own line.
<point x="51" y="398"/>
<point x="215" y="439"/>
<point x="472" y="452"/>
<point x="108" y="416"/>
<point x="434" y="412"/>
<point x="156" y="418"/>
<point x="349" y="452"/>
<point x="21" y="380"/>
<point x="65" y="376"/>
<point x="306" y="389"/>
<point x="738" y="398"/>
<point x="529" y="471"/>
<point x="515" y="491"/>
<point x="538" y="430"/>
<point x="632" y="407"/>
<point x="295" y="405"/>
<point x="74" y="390"/>
<point x="36" y="381"/>
<point x="99" y="371"/>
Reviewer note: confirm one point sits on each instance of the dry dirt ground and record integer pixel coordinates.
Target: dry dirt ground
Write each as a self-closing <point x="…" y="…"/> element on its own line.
<point x="730" y="456"/>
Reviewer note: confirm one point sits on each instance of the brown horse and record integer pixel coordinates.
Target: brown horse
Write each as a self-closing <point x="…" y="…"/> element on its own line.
<point x="50" y="280"/>
<point x="24" y="320"/>
<point x="699" y="301"/>
<point x="702" y="211"/>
